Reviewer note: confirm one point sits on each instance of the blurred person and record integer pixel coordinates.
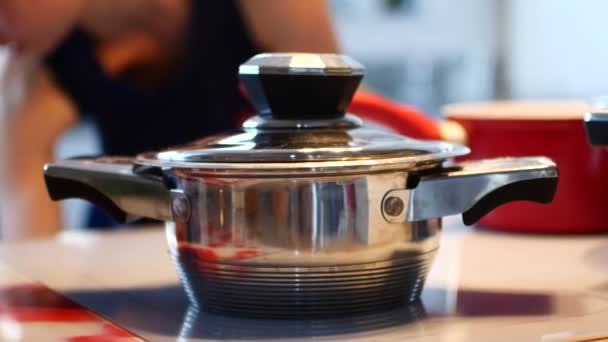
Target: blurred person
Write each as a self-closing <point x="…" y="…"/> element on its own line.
<point x="149" y="73"/>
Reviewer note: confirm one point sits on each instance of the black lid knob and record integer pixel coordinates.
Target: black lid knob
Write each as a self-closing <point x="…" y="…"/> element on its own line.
<point x="301" y="86"/>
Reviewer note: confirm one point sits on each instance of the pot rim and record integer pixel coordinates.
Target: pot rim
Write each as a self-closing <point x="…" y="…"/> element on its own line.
<point x="519" y="110"/>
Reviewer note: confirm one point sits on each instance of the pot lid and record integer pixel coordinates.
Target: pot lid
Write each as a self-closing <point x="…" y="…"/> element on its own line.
<point x="302" y="127"/>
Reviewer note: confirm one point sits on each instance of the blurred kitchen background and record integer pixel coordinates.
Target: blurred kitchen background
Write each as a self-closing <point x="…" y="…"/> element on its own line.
<point x="432" y="52"/>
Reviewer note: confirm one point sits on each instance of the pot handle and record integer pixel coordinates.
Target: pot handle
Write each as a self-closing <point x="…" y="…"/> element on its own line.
<point x="476" y="188"/>
<point x="125" y="191"/>
<point x="596" y="126"/>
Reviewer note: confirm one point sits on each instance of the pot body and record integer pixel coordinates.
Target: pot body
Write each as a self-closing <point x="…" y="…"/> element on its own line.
<point x="302" y="244"/>
<point x="578" y="206"/>
<point x="298" y="246"/>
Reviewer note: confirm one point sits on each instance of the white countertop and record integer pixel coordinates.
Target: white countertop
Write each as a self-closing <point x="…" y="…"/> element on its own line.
<point x="484" y="286"/>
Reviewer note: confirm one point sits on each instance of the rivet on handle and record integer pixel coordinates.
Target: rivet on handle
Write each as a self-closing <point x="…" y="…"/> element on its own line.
<point x="180" y="206"/>
<point x="393" y="206"/>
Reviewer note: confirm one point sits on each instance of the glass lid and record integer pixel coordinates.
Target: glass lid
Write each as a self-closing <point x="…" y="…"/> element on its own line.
<point x="301" y="126"/>
<point x="255" y="145"/>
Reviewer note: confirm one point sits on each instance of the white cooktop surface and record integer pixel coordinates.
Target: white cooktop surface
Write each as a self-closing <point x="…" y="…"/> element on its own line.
<point x="483" y="286"/>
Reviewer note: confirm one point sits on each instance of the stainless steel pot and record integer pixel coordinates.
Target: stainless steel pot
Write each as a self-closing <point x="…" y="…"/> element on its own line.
<point x="304" y="210"/>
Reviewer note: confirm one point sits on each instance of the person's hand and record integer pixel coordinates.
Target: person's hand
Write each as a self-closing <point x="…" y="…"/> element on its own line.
<point x="119" y="54"/>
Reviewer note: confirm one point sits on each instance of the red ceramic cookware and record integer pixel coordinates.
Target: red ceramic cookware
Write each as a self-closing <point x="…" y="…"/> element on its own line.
<point x="498" y="129"/>
<point x="554" y="129"/>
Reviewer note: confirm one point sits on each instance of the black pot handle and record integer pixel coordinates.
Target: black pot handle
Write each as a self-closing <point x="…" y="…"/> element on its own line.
<point x="596" y="127"/>
<point x="114" y="184"/>
<point x="476" y="188"/>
